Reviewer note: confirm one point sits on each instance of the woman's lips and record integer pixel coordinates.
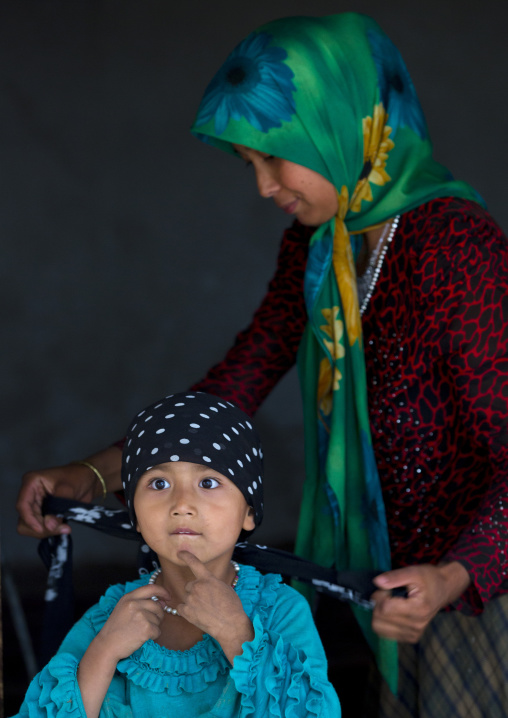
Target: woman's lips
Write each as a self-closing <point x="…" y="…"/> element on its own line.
<point x="290" y="208"/>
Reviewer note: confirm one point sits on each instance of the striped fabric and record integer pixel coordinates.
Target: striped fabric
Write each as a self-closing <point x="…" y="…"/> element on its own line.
<point x="459" y="669"/>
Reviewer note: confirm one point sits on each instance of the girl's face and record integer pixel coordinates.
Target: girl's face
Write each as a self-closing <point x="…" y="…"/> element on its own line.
<point x="295" y="189"/>
<point x="183" y="506"/>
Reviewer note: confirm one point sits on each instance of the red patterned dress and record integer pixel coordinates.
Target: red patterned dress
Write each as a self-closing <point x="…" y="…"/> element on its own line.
<point x="436" y="351"/>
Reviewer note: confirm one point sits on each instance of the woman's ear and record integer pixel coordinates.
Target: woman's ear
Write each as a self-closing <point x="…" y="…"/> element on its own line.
<point x="249" y="523"/>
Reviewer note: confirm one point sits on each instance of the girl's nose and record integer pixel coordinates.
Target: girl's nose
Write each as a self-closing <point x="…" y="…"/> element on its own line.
<point x="267" y="184"/>
<point x="182" y="503"/>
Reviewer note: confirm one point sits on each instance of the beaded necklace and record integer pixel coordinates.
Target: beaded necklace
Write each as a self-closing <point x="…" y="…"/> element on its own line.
<point x="367" y="282"/>
<point x="173" y="611"/>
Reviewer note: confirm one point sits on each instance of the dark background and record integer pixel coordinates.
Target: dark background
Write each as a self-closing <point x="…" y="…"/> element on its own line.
<point x="132" y="253"/>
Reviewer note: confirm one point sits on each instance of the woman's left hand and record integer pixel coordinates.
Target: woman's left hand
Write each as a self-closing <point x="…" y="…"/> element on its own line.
<point x="215" y="608"/>
<point x="429" y="589"/>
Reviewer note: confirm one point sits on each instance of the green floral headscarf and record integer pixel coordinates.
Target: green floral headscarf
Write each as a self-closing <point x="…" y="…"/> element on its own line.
<point x="333" y="94"/>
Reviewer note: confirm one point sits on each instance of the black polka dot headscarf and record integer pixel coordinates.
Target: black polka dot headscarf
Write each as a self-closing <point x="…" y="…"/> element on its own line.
<point x="201" y="429"/>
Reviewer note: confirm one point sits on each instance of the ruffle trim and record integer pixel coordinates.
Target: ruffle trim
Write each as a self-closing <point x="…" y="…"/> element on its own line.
<point x="174" y="672"/>
<point x="55" y="690"/>
<point x="290" y="679"/>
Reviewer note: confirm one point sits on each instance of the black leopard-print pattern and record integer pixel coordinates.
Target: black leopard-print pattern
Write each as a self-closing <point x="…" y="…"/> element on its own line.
<point x="264" y="352"/>
<point x="436" y="350"/>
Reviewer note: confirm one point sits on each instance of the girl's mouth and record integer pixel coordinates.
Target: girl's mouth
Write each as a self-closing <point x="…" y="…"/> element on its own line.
<point x="184" y="532"/>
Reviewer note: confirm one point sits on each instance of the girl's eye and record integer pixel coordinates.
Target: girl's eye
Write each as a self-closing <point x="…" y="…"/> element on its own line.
<point x="209" y="483"/>
<point x="159" y="484"/>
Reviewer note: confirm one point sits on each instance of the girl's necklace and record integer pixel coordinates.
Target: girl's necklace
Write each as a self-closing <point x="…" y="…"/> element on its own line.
<point x="367" y="282"/>
<point x="173" y="611"/>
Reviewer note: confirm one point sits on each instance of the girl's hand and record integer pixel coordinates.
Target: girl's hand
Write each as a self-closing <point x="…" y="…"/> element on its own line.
<point x="135" y="619"/>
<point x="215" y="608"/>
<point x="430" y="588"/>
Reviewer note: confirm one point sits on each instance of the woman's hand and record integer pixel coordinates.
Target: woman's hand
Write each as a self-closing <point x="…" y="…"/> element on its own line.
<point x="430" y="588"/>
<point x="215" y="608"/>
<point x="134" y="620"/>
<point x="73" y="481"/>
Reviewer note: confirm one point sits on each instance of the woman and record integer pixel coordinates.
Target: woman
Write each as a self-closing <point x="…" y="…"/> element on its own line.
<point x="403" y="371"/>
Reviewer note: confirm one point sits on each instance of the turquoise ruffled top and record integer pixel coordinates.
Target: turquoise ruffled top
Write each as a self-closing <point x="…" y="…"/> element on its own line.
<point x="281" y="672"/>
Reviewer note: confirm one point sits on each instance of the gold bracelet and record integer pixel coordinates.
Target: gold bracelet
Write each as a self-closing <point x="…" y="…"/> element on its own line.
<point x="97" y="473"/>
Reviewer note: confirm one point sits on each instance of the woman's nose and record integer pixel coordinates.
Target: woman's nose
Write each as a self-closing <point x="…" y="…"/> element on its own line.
<point x="267" y="184"/>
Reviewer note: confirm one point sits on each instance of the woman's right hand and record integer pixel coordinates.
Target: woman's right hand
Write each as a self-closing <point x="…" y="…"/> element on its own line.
<point x="72" y="481"/>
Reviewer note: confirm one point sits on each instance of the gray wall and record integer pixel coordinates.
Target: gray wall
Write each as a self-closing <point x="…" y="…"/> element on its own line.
<point x="132" y="253"/>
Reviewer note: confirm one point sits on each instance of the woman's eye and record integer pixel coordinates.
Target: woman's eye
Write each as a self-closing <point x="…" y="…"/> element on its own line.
<point x="268" y="158"/>
<point x="209" y="483"/>
<point x="159" y="484"/>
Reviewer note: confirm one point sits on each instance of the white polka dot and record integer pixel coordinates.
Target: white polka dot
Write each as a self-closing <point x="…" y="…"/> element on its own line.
<point x="184" y="441"/>
<point x="194" y="426"/>
<point x="129" y="478"/>
<point x="160" y="431"/>
<point x="148" y="468"/>
<point x="141" y="433"/>
<point x="138" y="451"/>
<point x="249" y="424"/>
<point x="231" y="472"/>
<point x="141" y="412"/>
<point x="148" y="418"/>
<point x="127" y="459"/>
<point x="226" y="437"/>
<point x="240" y="424"/>
<point x="239" y="463"/>
<point x="190" y="396"/>
<point x="254" y="484"/>
<point x="155" y="451"/>
<point x="180" y="404"/>
<point x="174" y="458"/>
<point x="205" y="416"/>
<point x="260" y="479"/>
<point x="223" y="405"/>
<point x="235" y="430"/>
<point x="169" y="416"/>
<point x="248" y="457"/>
<point x="255" y="451"/>
<point x="206" y="458"/>
<point x="158" y="406"/>
<point x="216" y="446"/>
<point x="129" y="442"/>
<point x="260" y="454"/>
<point x="133" y="427"/>
<point x="125" y="526"/>
<point x="250" y="490"/>
<point x="212" y="408"/>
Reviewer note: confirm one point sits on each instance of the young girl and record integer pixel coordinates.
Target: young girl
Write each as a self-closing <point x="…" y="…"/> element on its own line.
<point x="201" y="636"/>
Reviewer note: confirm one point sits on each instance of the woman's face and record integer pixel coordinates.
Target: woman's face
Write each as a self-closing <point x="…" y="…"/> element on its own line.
<point x="297" y="190"/>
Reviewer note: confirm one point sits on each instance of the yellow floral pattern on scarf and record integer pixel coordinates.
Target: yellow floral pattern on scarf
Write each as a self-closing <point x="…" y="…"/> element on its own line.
<point x="376" y="146"/>
<point x="329" y="375"/>
<point x="345" y="272"/>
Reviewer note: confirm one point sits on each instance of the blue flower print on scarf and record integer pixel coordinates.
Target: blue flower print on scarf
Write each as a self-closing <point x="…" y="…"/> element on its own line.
<point x="397" y="91"/>
<point x="253" y="83"/>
